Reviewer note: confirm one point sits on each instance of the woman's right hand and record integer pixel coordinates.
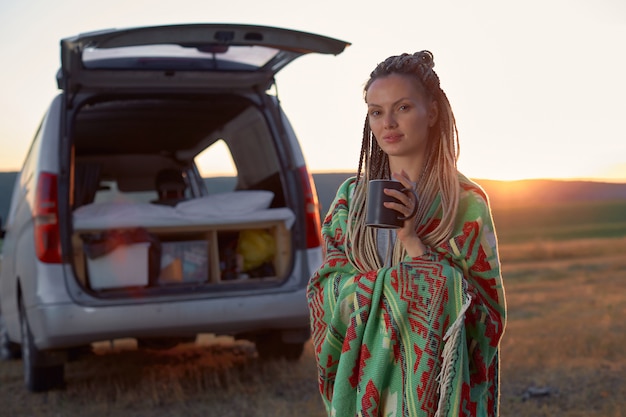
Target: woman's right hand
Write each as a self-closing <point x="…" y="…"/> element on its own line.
<point x="407" y="234"/>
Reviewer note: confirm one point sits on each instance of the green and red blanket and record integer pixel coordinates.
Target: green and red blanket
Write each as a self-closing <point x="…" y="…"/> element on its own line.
<point x="420" y="338"/>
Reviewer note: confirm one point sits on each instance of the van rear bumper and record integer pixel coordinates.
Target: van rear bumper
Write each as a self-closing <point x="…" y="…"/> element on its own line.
<point x="67" y="324"/>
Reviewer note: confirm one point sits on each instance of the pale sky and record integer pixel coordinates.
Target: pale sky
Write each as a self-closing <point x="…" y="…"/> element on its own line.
<point x="537" y="86"/>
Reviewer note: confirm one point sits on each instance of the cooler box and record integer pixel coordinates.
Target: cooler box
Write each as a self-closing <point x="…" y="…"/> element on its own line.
<point x="125" y="266"/>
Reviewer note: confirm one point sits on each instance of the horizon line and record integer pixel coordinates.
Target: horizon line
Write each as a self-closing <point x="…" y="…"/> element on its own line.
<point x="608" y="180"/>
<point x="568" y="179"/>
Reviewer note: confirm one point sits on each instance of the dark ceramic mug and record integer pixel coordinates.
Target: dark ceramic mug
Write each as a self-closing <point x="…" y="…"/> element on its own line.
<point x="380" y="216"/>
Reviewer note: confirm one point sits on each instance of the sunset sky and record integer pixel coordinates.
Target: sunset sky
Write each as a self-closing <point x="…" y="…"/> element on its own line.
<point x="537" y="86"/>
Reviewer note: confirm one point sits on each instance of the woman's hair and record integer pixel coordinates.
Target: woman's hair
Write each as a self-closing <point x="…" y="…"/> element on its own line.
<point x="439" y="181"/>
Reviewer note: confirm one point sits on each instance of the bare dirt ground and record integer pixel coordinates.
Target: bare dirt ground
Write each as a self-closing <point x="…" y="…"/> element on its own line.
<point x="563" y="354"/>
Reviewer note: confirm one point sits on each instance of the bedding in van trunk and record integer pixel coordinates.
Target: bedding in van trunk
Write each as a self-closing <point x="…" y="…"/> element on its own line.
<point x="223" y="237"/>
<point x="218" y="209"/>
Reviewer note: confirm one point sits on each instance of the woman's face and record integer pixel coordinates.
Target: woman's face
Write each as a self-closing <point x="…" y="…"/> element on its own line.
<point x="400" y="116"/>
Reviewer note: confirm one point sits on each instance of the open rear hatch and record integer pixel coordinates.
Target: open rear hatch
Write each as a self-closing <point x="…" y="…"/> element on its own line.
<point x="196" y="55"/>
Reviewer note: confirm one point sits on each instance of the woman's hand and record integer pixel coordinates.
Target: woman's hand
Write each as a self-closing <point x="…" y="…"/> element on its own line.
<point x="406" y="205"/>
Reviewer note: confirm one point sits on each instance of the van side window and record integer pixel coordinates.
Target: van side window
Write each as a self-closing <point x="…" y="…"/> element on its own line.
<point x="217" y="167"/>
<point x="86" y="183"/>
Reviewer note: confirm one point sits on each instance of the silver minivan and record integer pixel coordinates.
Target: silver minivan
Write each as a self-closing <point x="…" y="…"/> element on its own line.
<point x="123" y="223"/>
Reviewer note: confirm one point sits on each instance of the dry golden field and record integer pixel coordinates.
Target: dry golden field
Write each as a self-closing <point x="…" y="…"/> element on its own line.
<point x="564" y="349"/>
<point x="563" y="354"/>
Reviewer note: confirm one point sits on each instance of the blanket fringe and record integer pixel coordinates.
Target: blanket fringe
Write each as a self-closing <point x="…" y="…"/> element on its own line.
<point x="449" y="355"/>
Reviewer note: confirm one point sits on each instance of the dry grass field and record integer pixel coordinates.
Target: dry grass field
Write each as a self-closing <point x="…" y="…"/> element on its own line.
<point x="564" y="350"/>
<point x="563" y="354"/>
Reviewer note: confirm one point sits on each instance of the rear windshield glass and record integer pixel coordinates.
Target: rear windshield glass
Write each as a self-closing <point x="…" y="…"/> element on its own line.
<point x="175" y="57"/>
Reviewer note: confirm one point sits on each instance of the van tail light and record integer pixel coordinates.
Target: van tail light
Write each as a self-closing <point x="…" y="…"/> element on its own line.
<point x="46" y="213"/>
<point x="311" y="210"/>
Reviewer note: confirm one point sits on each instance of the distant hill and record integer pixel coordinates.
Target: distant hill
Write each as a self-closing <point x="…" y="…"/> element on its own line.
<point x="506" y="193"/>
<point x="501" y="193"/>
<point x="7" y="179"/>
<point x="532" y="192"/>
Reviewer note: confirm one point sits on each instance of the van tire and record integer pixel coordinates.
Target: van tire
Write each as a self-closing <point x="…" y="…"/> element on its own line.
<point x="38" y="377"/>
<point x="8" y="350"/>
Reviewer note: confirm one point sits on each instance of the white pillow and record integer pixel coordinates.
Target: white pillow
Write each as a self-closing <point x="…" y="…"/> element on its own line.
<point x="226" y="204"/>
<point x="136" y="211"/>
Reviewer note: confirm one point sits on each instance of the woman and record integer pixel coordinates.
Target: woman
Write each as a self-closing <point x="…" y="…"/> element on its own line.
<point x="408" y="322"/>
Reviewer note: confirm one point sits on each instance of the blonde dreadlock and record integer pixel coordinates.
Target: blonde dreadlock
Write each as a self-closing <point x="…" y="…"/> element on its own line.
<point x="439" y="181"/>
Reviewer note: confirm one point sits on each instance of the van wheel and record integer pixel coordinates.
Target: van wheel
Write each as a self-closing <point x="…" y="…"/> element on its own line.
<point x="38" y="377"/>
<point x="8" y="350"/>
<point x="270" y="346"/>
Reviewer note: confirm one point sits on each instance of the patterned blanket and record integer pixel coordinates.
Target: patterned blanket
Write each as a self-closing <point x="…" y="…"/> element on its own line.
<point x="420" y="338"/>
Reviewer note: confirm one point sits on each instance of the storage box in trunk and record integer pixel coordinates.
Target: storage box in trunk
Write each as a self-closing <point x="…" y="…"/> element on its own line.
<point x="125" y="266"/>
<point x="195" y="254"/>
<point x="184" y="261"/>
